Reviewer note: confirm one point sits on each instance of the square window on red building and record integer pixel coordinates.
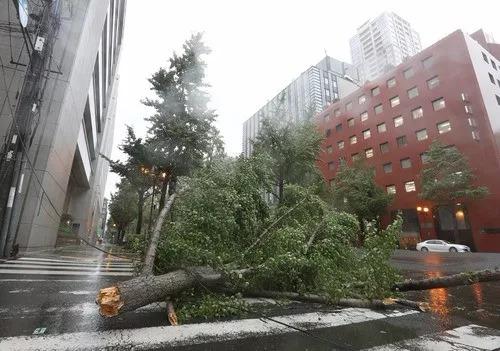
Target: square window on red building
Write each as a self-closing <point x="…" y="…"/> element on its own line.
<point x="401" y="141"/>
<point x="443" y="127"/>
<point x="340" y="144"/>
<point x="384" y="147"/>
<point x="395" y="101"/>
<point x="375" y="91"/>
<point x="412" y="93"/>
<point x="408" y="73"/>
<point x="410" y="186"/>
<point x="350" y="122"/>
<point x="433" y="82"/>
<point x="353" y="139"/>
<point x="338" y="127"/>
<point x="405" y="163"/>
<point x="378" y="109"/>
<point x="366" y="134"/>
<point x="391" y="82"/>
<point x="329" y="149"/>
<point x="381" y="128"/>
<point x="398" y="121"/>
<point x="417" y="113"/>
<point x="421" y="134"/>
<point x="438" y="104"/>
<point x="388" y="167"/>
<point x="369" y="153"/>
<point x="391" y="189"/>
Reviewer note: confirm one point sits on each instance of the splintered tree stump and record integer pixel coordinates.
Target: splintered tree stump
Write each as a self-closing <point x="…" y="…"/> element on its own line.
<point x="143" y="290"/>
<point x="448" y="281"/>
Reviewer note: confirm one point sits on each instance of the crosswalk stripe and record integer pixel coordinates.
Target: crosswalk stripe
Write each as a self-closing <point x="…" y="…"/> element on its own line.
<point x="470" y="337"/>
<point x="61" y="272"/>
<point x="61" y="267"/>
<point x="36" y="259"/>
<point x="164" y="336"/>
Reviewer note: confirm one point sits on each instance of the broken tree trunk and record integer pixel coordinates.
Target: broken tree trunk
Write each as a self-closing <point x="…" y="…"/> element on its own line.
<point x="359" y="303"/>
<point x="143" y="290"/>
<point x="448" y="281"/>
<point x="155" y="237"/>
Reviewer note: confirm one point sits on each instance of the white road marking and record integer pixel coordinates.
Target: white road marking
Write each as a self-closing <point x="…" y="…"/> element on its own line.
<point x="78" y="292"/>
<point x="470" y="337"/>
<point x="73" y="261"/>
<point x="53" y="262"/>
<point x="50" y="272"/>
<point x="97" y="268"/>
<point x="147" y="338"/>
<point x="20" y="291"/>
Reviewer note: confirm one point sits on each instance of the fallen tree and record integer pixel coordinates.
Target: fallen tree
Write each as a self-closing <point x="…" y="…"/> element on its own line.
<point x="464" y="278"/>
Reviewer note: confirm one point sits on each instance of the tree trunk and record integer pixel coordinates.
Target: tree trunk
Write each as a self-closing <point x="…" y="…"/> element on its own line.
<point x="281" y="185"/>
<point x="155" y="237"/>
<point x="140" y="205"/>
<point x="448" y="281"/>
<point x="143" y="290"/>
<point x="163" y="193"/>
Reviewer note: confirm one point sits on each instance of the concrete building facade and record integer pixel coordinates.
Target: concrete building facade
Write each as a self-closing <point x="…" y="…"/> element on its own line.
<point x="382" y="43"/>
<point x="310" y="93"/>
<point x="450" y="92"/>
<point x="64" y="176"/>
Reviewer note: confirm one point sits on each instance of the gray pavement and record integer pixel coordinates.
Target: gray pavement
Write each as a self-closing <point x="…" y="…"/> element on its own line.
<point x="47" y="302"/>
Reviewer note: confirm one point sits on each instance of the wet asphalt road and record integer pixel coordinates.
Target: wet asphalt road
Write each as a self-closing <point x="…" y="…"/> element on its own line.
<point x="65" y="303"/>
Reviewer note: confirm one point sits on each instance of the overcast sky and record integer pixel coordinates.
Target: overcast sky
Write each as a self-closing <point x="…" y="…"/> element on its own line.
<point x="259" y="47"/>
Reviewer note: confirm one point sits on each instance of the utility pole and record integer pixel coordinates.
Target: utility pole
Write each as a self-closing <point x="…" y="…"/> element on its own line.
<point x="15" y="153"/>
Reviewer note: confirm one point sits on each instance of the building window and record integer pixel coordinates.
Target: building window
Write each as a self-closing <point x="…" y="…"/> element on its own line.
<point x="326" y="80"/>
<point x="384" y="147"/>
<point x="340" y="144"/>
<point x="329" y="149"/>
<point x="395" y="101"/>
<point x="328" y="132"/>
<point x="338" y="127"/>
<point x="388" y="167"/>
<point x="381" y="128"/>
<point x="428" y="62"/>
<point x="331" y="166"/>
<point x="410" y="186"/>
<point x="353" y="139"/>
<point x="421" y="134"/>
<point x="413" y="92"/>
<point x="417" y="113"/>
<point x="475" y="135"/>
<point x="348" y="106"/>
<point x="364" y="116"/>
<point x="355" y="157"/>
<point x="378" y="109"/>
<point x="438" y="104"/>
<point x="472" y="121"/>
<point x="391" y="82"/>
<point x="366" y="134"/>
<point x="424" y="158"/>
<point x="468" y="109"/>
<point x="350" y="122"/>
<point x="493" y="64"/>
<point x="485" y="58"/>
<point x="433" y="82"/>
<point x="444" y="127"/>
<point x="405" y="163"/>
<point x="492" y="79"/>
<point x="408" y="73"/>
<point x="391" y="189"/>
<point x="398" y="121"/>
<point x="375" y="91"/>
<point x="498" y="99"/>
<point x="369" y="153"/>
<point x="401" y="141"/>
<point x="336" y="112"/>
<point x="465" y="97"/>
<point x="362" y="99"/>
<point x="498" y="82"/>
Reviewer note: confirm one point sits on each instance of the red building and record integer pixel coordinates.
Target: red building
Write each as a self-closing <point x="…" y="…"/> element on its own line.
<point x="449" y="91"/>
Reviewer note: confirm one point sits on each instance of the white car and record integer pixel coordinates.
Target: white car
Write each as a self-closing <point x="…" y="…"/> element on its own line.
<point x="441" y="246"/>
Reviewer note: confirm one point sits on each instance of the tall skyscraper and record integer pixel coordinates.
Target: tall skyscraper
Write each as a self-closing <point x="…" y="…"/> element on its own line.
<point x="382" y="43"/>
<point x="312" y="91"/>
<point x="58" y="89"/>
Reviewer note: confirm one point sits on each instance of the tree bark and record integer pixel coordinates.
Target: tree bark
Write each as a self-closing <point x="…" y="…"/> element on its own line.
<point x="163" y="193"/>
<point x="281" y="186"/>
<point x="155" y="237"/>
<point x="140" y="205"/>
<point x="448" y="281"/>
<point x="143" y="290"/>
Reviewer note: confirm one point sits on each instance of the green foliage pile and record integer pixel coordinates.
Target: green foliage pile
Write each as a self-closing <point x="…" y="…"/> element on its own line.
<point x="223" y="212"/>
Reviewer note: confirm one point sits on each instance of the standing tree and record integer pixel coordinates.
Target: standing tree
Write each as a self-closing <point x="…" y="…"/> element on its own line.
<point x="121" y="213"/>
<point x="135" y="169"/>
<point x="354" y="190"/>
<point x="182" y="135"/>
<point x="447" y="179"/>
<point x="292" y="149"/>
